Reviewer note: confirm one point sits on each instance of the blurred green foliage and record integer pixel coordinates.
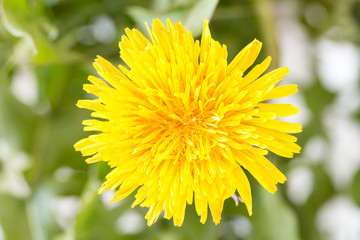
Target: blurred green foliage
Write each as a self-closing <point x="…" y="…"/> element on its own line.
<point x="47" y="46"/>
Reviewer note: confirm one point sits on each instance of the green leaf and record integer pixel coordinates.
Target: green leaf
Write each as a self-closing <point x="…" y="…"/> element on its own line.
<point x="273" y="218"/>
<point x="196" y="14"/>
<point x="191" y="14"/>
<point x="29" y="22"/>
<point x="142" y="15"/>
<point x="13" y="218"/>
<point x="40" y="212"/>
<point x="17" y="120"/>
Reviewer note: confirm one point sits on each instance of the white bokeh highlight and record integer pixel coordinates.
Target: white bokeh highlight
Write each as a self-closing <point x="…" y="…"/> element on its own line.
<point x="338" y="64"/>
<point x="65" y="210"/>
<point x="316" y="150"/>
<point x="241" y="226"/>
<point x="300" y="184"/>
<point x="24" y="85"/>
<point x="103" y="29"/>
<point x="294" y="46"/>
<point x="339" y="219"/>
<point x="344" y="153"/>
<point x="130" y="222"/>
<point x="106" y="197"/>
<point x="63" y="173"/>
<point x="13" y="163"/>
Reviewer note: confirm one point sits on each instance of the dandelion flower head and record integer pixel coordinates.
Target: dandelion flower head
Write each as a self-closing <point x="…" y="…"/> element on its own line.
<point x="179" y="125"/>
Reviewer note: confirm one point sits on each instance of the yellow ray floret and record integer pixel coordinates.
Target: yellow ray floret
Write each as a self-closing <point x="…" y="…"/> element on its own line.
<point x="179" y="124"/>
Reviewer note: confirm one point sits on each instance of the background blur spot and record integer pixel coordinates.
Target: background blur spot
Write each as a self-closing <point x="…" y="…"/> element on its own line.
<point x="106" y="197"/>
<point x="103" y="29"/>
<point x="130" y="222"/>
<point x="300" y="185"/>
<point x="24" y="85"/>
<point x="316" y="15"/>
<point x="316" y="149"/>
<point x="65" y="210"/>
<point x="338" y="65"/>
<point x="241" y="226"/>
<point x="339" y="219"/>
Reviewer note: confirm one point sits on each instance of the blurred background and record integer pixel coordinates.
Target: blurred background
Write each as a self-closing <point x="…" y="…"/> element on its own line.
<point x="47" y="47"/>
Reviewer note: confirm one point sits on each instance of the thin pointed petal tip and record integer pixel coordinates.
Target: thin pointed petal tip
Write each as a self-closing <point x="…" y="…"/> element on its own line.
<point x="206" y="22"/>
<point x="257" y="42"/>
<point x="206" y="31"/>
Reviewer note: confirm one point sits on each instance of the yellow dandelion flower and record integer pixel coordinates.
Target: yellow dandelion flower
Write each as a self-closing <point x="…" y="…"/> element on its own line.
<point x="180" y="124"/>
